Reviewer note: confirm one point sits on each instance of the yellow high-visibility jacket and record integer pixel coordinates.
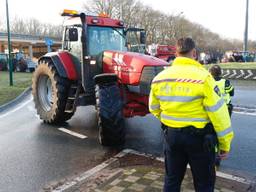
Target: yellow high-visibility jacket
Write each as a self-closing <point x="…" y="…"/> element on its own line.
<point x="225" y="90"/>
<point x="186" y="94"/>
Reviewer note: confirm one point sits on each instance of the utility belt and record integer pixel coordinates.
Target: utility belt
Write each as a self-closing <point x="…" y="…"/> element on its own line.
<point x="208" y="134"/>
<point x="208" y="129"/>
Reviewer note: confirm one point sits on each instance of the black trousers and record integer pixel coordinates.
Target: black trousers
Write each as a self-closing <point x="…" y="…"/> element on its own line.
<point x="230" y="109"/>
<point x="182" y="148"/>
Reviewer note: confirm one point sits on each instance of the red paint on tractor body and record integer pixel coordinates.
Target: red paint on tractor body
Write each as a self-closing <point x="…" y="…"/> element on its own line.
<point x="137" y="105"/>
<point x="97" y="21"/>
<point x="128" y="65"/>
<point x="66" y="60"/>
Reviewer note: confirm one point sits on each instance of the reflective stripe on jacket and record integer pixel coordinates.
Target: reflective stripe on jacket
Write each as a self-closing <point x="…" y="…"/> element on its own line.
<point x="225" y="90"/>
<point x="185" y="94"/>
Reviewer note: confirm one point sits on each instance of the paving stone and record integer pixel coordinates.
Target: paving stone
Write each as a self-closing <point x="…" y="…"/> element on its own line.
<point x="149" y="179"/>
<point x="144" y="181"/>
<point x="158" y="184"/>
<point x="116" y="189"/>
<point x="98" y="190"/>
<point x="152" y="189"/>
<point x="132" y="179"/>
<point x="128" y="190"/>
<point x="129" y="172"/>
<point x="124" y="184"/>
<point x="115" y="182"/>
<point x="138" y="174"/>
<point x="137" y="187"/>
<point x="151" y="176"/>
<point x="226" y="190"/>
<point x="185" y="182"/>
<point x="105" y="188"/>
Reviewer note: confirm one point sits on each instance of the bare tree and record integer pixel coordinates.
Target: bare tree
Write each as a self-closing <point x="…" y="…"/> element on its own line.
<point x="18" y="26"/>
<point x="2" y="27"/>
<point x="33" y="26"/>
<point x="100" y="6"/>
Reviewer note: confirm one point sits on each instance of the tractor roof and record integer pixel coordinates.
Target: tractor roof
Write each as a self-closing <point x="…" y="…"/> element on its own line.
<point x="96" y="21"/>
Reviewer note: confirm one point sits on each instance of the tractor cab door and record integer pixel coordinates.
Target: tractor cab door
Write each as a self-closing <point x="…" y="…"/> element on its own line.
<point x="136" y="40"/>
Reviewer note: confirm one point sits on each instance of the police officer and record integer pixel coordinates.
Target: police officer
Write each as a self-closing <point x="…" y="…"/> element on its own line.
<point x="185" y="98"/>
<point x="226" y="88"/>
<point x="227" y="91"/>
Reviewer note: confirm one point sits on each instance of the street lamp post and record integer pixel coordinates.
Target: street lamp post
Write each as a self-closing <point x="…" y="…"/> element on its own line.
<point x="246" y="27"/>
<point x="9" y="45"/>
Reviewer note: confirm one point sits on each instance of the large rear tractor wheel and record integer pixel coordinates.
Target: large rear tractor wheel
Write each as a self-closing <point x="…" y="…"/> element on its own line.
<point x="109" y="108"/>
<point x="50" y="92"/>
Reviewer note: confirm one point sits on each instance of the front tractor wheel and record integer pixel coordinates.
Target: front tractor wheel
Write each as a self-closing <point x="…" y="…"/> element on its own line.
<point x="109" y="108"/>
<point x="50" y="93"/>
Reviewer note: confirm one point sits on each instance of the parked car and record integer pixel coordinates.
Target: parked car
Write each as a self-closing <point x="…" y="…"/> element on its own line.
<point x="31" y="65"/>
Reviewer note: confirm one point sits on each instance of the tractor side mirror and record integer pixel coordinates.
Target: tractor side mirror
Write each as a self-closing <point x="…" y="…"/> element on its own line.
<point x="142" y="37"/>
<point x="73" y="34"/>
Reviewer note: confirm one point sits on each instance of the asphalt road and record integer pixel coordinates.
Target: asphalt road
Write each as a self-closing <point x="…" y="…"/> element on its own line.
<point x="34" y="155"/>
<point x="245" y="93"/>
<point x="144" y="135"/>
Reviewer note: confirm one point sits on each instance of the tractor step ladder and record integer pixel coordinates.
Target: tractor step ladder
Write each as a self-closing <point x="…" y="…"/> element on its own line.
<point x="72" y="98"/>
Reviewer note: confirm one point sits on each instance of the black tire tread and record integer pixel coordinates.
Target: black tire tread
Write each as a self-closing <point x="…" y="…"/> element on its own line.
<point x="110" y="116"/>
<point x="57" y="114"/>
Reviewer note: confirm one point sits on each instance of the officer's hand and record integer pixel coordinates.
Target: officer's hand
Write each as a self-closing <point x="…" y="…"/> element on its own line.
<point x="223" y="155"/>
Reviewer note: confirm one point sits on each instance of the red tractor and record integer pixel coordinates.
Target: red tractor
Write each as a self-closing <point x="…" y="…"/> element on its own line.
<point x="94" y="68"/>
<point x="165" y="52"/>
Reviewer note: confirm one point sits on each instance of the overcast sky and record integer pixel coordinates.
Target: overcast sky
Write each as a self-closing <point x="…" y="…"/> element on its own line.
<point x="226" y="17"/>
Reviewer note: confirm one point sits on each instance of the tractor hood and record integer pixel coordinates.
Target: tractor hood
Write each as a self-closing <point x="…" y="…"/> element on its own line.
<point x="129" y="65"/>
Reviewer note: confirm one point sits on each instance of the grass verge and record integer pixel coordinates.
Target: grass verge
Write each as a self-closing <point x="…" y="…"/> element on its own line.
<point x="249" y="65"/>
<point x="21" y="81"/>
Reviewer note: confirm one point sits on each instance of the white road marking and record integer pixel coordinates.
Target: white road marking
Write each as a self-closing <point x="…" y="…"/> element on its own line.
<point x="16" y="109"/>
<point x="31" y="108"/>
<point x="72" y="133"/>
<point x="234" y="74"/>
<point x="227" y="74"/>
<point x="245" y="113"/>
<point x="242" y="74"/>
<point x="250" y="74"/>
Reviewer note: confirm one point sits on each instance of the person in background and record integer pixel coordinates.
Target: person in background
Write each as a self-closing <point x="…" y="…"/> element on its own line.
<point x="227" y="91"/>
<point x="226" y="88"/>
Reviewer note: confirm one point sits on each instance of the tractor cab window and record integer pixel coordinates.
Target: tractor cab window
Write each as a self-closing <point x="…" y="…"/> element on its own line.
<point x="105" y="38"/>
<point x="73" y="45"/>
<point x="134" y="43"/>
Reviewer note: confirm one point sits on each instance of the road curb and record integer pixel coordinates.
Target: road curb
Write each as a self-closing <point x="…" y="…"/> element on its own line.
<point x="70" y="186"/>
<point x="17" y="100"/>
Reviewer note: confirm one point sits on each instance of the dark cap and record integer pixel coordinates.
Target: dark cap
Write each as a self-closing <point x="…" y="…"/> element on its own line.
<point x="185" y="45"/>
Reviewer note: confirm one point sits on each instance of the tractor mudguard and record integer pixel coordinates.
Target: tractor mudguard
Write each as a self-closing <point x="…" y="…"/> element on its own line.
<point x="66" y="64"/>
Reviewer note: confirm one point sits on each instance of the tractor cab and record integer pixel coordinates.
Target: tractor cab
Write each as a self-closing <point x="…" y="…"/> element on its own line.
<point x="88" y="37"/>
<point x="100" y="33"/>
